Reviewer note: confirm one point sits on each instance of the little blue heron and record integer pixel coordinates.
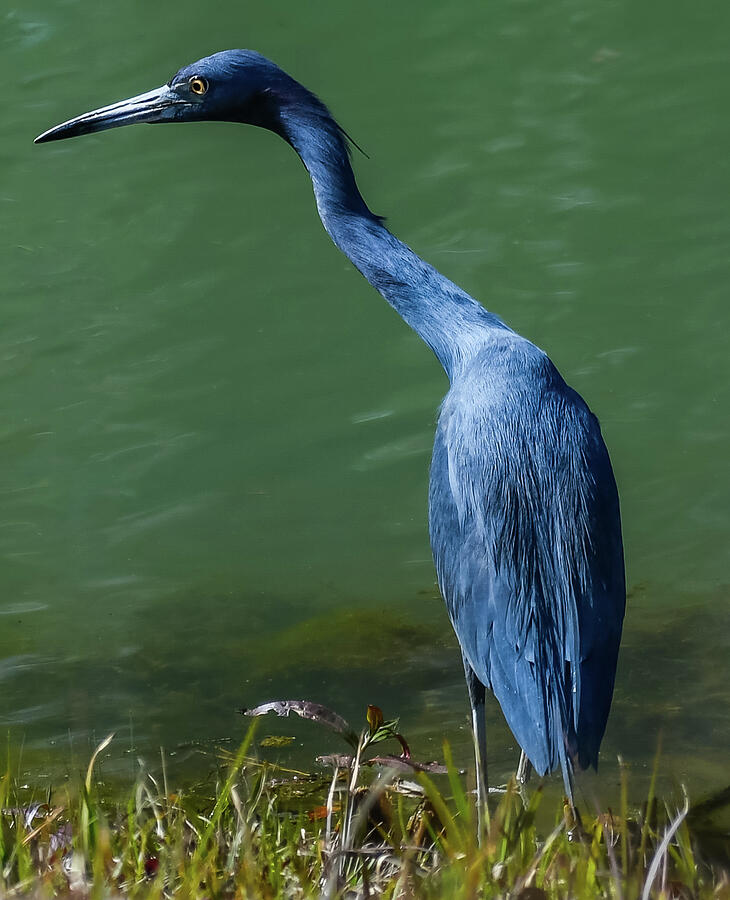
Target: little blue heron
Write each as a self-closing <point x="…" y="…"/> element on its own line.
<point x="523" y="508"/>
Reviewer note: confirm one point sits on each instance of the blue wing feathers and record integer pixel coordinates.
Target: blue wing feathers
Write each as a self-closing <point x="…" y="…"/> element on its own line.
<point x="526" y="536"/>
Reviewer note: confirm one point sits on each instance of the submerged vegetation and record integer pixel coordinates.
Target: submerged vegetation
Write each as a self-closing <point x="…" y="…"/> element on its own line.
<point x="365" y="825"/>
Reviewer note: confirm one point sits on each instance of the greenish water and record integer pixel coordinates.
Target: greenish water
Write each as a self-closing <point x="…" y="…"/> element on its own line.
<point x="215" y="436"/>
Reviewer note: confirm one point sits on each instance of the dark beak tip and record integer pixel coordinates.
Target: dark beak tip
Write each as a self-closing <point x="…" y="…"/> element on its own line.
<point x="60" y="132"/>
<point x="46" y="136"/>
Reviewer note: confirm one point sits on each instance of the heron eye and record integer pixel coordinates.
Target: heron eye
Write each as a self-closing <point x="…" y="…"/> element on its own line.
<point x="198" y="85"/>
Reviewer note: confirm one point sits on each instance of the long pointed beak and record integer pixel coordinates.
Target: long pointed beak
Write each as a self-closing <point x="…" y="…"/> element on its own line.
<point x="160" y="105"/>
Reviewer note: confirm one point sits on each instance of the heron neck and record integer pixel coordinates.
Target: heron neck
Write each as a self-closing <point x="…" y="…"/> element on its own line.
<point x="451" y="322"/>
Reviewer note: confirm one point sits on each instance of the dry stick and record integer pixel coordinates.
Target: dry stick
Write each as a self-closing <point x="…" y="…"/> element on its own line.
<point x="330" y="807"/>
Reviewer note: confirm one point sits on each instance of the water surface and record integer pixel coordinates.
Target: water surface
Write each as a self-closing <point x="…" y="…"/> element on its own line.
<point x="215" y="436"/>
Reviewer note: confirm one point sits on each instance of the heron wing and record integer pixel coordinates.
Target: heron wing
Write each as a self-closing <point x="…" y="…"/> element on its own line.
<point x="526" y="538"/>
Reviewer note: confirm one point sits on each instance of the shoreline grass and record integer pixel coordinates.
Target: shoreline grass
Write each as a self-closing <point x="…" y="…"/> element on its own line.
<point x="393" y="829"/>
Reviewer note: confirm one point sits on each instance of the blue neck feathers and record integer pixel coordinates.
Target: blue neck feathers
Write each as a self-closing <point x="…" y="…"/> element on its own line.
<point x="451" y="322"/>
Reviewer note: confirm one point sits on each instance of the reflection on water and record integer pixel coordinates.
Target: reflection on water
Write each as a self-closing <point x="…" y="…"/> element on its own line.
<point x="214" y="438"/>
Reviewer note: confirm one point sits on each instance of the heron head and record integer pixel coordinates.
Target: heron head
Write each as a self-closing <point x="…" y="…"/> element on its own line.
<point x="230" y="86"/>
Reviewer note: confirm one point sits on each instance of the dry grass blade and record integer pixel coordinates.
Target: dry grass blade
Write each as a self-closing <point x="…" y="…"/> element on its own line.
<point x="100" y="749"/>
<point x="661" y="852"/>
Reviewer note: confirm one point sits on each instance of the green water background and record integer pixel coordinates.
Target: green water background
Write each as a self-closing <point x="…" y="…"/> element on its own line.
<point x="215" y="436"/>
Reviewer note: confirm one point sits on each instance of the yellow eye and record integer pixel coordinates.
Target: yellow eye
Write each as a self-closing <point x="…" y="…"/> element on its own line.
<point x="198" y="85"/>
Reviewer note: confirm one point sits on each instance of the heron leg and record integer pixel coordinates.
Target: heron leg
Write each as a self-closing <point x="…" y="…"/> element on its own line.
<point x="522" y="776"/>
<point x="477" y="694"/>
<point x="524" y="769"/>
<point x="573" y="817"/>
